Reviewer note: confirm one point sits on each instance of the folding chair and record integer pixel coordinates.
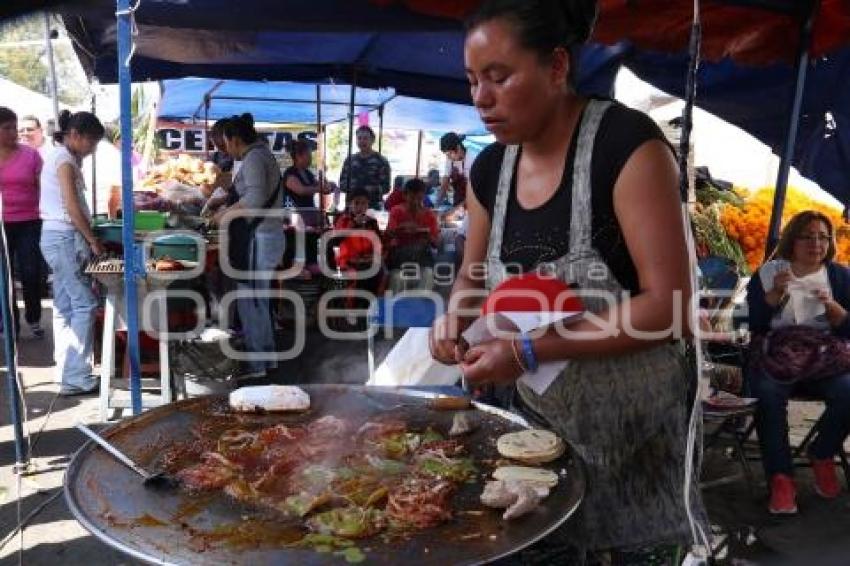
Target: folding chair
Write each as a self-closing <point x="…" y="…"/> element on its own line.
<point x="799" y="455"/>
<point x="401" y="311"/>
<point x="719" y="281"/>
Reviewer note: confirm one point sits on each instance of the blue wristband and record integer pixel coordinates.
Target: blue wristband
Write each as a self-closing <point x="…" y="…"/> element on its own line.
<point x="528" y="353"/>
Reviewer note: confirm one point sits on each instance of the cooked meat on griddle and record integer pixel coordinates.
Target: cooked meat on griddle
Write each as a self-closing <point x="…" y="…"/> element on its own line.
<point x="446" y="448"/>
<point x="213" y="472"/>
<point x="518" y="497"/>
<point x="462" y="423"/>
<point x="421" y="502"/>
<point x="281" y="434"/>
<point x="339" y="479"/>
<point x="328" y="427"/>
<point x="377" y="429"/>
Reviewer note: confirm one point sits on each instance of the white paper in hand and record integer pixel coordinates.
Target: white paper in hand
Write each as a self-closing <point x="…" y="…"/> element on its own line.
<point x="486" y="327"/>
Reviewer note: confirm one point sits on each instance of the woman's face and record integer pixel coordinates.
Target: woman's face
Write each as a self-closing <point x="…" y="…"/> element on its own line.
<point x="364" y="141"/>
<point x="812" y="244"/>
<point x="513" y="89"/>
<point x="233" y="147"/>
<point x="303" y="159"/>
<point x="218" y="142"/>
<point x="80" y="144"/>
<point x="9" y="134"/>
<point x="455" y="154"/>
<point x="359" y="206"/>
<point x="31" y="133"/>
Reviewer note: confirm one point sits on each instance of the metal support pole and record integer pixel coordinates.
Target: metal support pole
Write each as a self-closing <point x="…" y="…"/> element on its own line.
<point x="320" y="170"/>
<point x="132" y="267"/>
<point x="801" y="69"/>
<point x="10" y="350"/>
<point x="351" y="129"/>
<point x="51" y="64"/>
<point x="94" y="161"/>
<point x="206" y="127"/>
<point x="418" y="153"/>
<point x="688" y="110"/>
<point x="380" y="128"/>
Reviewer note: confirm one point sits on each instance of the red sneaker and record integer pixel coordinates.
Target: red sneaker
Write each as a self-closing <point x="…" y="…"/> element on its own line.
<point x="783" y="495"/>
<point x="826" y="480"/>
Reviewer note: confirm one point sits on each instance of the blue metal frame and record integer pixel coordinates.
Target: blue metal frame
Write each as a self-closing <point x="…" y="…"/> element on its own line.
<point x="21" y="452"/>
<point x="793" y="125"/>
<point x="133" y="267"/>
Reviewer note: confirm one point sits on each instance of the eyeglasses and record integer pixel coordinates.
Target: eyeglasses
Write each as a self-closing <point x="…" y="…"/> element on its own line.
<point x="815" y="238"/>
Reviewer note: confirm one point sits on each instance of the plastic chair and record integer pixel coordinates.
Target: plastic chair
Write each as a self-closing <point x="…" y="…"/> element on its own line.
<point x="403" y="311"/>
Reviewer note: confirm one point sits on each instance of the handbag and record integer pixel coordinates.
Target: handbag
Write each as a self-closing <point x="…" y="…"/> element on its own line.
<point x="796" y="353"/>
<point x="240" y="236"/>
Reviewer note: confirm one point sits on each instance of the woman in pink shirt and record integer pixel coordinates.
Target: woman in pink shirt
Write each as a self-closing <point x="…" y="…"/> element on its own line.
<point x="20" y="168"/>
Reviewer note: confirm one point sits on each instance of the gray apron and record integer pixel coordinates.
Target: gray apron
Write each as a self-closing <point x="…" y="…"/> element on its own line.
<point x="624" y="415"/>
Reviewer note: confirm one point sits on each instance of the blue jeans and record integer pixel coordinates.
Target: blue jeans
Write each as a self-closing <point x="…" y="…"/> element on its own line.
<point x="772" y="418"/>
<point x="255" y="312"/>
<point x="73" y="306"/>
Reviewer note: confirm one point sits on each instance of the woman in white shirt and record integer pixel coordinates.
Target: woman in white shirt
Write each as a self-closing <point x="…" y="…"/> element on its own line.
<point x="67" y="243"/>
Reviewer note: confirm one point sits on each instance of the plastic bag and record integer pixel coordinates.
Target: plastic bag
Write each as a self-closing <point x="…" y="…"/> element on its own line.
<point x="410" y="363"/>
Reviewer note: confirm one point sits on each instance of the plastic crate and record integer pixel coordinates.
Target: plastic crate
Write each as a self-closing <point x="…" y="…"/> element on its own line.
<point x="148" y="220"/>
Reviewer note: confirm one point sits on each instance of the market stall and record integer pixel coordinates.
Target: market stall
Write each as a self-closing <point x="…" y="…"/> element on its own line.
<point x="356" y="54"/>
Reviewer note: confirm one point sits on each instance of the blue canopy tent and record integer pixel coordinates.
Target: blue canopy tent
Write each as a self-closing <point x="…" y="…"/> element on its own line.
<point x="410" y="46"/>
<point x="288" y="102"/>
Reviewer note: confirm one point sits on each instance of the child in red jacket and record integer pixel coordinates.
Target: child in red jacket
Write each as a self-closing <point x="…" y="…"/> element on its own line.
<point x="358" y="253"/>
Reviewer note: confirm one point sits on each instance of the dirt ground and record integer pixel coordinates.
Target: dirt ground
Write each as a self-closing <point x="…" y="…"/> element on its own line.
<point x="741" y="526"/>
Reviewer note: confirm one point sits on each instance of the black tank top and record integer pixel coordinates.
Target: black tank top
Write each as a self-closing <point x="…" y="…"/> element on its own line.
<point x="542" y="234"/>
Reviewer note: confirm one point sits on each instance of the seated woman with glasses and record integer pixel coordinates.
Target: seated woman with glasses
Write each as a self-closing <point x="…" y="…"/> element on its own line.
<point x="801" y="286"/>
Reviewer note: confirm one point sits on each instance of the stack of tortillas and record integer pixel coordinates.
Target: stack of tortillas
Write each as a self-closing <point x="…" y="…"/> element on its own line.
<point x="269" y="398"/>
<point x="533" y="446"/>
<point x="536" y="476"/>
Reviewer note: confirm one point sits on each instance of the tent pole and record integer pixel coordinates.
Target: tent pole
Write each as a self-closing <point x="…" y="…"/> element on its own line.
<point x="380" y="128"/>
<point x="131" y="269"/>
<point x="51" y="63"/>
<point x="206" y="127"/>
<point x="21" y="453"/>
<point x="418" y="153"/>
<point x="350" y="129"/>
<point x="688" y="110"/>
<point x="802" y="66"/>
<point x="322" y="199"/>
<point x="94" y="161"/>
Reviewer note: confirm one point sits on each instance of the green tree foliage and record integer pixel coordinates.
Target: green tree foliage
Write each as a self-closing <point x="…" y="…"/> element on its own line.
<point x="23" y="64"/>
<point x="23" y="58"/>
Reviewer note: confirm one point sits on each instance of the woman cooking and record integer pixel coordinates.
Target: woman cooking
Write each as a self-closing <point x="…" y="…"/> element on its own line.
<point x="585" y="190"/>
<point x="301" y="185"/>
<point x="257" y="189"/>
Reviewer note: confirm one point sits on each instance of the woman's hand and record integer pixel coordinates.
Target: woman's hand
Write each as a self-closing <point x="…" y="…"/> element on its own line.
<point x="491" y="362"/>
<point x="835" y="313"/>
<point x="780" y="288"/>
<point x="97" y="248"/>
<point x="445" y="340"/>
<point x="218" y="217"/>
<point x="216" y="201"/>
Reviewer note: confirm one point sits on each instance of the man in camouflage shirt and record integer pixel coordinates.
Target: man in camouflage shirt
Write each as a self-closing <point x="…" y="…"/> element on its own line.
<point x="367" y="170"/>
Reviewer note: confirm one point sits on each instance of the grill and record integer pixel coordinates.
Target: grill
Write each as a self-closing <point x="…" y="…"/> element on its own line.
<point x="111" y="265"/>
